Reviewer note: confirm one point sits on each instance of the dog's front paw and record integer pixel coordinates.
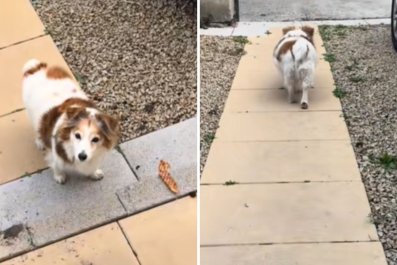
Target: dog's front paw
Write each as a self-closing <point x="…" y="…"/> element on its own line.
<point x="98" y="175"/>
<point x="304" y="105"/>
<point x="60" y="178"/>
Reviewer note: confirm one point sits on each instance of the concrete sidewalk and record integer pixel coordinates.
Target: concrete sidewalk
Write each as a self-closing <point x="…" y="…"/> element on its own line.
<point x="86" y="222"/>
<point x="281" y="184"/>
<point x="260" y="28"/>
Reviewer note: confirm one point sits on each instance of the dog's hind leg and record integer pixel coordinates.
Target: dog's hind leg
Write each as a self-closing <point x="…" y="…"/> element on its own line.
<point x="289" y="84"/>
<point x="307" y="83"/>
<point x="305" y="97"/>
<point x="291" y="91"/>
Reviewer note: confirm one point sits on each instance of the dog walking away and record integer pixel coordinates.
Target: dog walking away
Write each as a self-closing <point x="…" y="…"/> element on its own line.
<point x="74" y="134"/>
<point x="296" y="58"/>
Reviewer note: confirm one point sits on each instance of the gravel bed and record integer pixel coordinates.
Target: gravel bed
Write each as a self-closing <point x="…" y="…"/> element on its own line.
<point x="219" y="60"/>
<point x="136" y="58"/>
<point x="365" y="71"/>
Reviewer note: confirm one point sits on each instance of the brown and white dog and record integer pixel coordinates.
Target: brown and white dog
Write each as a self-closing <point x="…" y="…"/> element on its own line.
<point x="296" y="58"/>
<point x="68" y="126"/>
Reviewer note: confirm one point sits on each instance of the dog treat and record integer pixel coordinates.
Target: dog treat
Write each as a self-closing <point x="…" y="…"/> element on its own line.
<point x="165" y="175"/>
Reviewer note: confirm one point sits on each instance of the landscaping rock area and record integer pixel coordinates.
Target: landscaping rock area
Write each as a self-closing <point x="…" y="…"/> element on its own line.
<point x="364" y="66"/>
<point x="219" y="60"/>
<point x="136" y="59"/>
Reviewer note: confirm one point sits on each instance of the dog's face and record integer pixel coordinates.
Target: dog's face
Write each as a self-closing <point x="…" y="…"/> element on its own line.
<point x="89" y="133"/>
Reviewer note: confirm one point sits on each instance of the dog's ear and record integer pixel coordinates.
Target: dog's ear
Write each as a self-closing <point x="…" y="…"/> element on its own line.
<point x="109" y="129"/>
<point x="288" y="29"/>
<point x="308" y="30"/>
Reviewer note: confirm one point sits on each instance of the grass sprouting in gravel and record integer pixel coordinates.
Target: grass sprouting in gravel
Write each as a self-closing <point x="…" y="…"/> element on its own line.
<point x="366" y="69"/>
<point x="241" y="39"/>
<point x="387" y="161"/>
<point x="209" y="138"/>
<point x="329" y="57"/>
<point x="328" y="32"/>
<point x="357" y="78"/>
<point x="339" y="93"/>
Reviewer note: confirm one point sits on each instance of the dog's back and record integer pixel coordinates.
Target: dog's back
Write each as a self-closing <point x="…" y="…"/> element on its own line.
<point x="45" y="87"/>
<point x="295" y="51"/>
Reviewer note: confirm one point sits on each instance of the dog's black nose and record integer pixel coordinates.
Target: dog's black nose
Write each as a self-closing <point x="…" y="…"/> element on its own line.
<point x="82" y="156"/>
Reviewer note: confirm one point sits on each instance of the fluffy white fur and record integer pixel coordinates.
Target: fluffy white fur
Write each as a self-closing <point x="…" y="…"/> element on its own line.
<point x="40" y="94"/>
<point x="297" y="65"/>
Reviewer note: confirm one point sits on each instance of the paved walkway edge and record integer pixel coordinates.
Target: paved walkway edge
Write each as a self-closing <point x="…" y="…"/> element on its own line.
<point x="260" y="28"/>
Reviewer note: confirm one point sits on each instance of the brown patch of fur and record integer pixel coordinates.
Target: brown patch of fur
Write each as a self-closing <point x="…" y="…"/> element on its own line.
<point x="109" y="130"/>
<point x="79" y="102"/>
<point x="74" y="109"/>
<point x="35" y="69"/>
<point x="56" y="72"/>
<point x="288" y="29"/>
<point x="285" y="47"/>
<point x="61" y="152"/>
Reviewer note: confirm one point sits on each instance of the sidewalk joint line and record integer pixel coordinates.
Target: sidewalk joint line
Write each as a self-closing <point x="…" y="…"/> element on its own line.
<point x="50" y="242"/>
<point x="288" y="243"/>
<point x="129" y="243"/>
<point x="121" y="202"/>
<point x="279" y="111"/>
<point x="119" y="150"/>
<point x="23" y="41"/>
<point x="284" y="182"/>
<point x="278" y="141"/>
<point x="12" y="112"/>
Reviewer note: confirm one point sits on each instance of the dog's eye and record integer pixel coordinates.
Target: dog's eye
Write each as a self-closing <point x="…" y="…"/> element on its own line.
<point x="95" y="140"/>
<point x="77" y="135"/>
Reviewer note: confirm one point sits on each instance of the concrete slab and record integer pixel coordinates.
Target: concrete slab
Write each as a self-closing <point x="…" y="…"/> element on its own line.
<point x="18" y="22"/>
<point x="13" y="240"/>
<point x="282" y="126"/>
<point x="18" y="153"/>
<point x="256" y="79"/>
<point x="284" y="10"/>
<point x="227" y="31"/>
<point x="363" y="253"/>
<point x="176" y="144"/>
<point x="256" y="162"/>
<point x="345" y="22"/>
<point x="250" y="29"/>
<point x="151" y="191"/>
<point x="166" y="234"/>
<point x="385" y="21"/>
<point x="101" y="246"/>
<point x="285" y="213"/>
<point x="53" y="211"/>
<point x="266" y="75"/>
<point x="12" y="60"/>
<point x="277" y="100"/>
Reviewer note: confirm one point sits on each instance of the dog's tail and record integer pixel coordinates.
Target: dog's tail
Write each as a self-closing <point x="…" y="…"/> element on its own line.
<point x="32" y="66"/>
